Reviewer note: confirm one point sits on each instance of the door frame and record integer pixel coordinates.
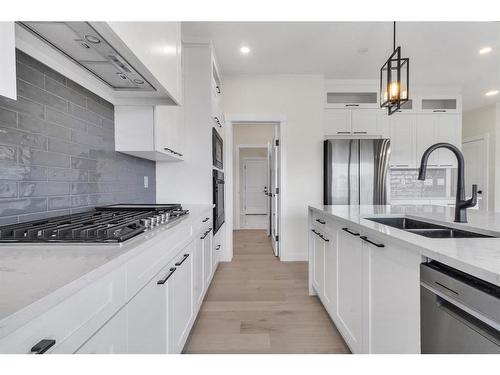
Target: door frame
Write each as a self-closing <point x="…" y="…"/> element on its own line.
<point x="280" y="122"/>
<point x="486" y="138"/>
<point x="264" y="159"/>
<point x="237" y="206"/>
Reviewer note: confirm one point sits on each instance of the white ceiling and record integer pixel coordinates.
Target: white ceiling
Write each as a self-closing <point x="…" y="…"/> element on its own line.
<point x="442" y="54"/>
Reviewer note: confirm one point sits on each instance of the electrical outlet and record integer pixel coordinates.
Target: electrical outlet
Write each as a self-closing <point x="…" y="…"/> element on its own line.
<point x="146" y="182"/>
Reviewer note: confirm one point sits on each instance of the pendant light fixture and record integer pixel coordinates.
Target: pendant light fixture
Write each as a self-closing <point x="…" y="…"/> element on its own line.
<point x="394" y="79"/>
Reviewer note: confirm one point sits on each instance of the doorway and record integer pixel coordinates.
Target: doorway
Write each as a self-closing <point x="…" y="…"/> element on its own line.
<point x="476" y="155"/>
<point x="256" y="178"/>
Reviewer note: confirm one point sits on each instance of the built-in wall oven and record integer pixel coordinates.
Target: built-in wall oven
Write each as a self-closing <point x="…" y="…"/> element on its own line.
<point x="218" y="199"/>
<point x="217" y="150"/>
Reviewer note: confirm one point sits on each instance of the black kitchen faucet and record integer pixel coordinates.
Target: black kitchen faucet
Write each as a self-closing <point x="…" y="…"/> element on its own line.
<point x="461" y="204"/>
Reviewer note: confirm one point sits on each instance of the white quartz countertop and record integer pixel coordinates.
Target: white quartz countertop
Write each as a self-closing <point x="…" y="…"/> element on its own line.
<point x="479" y="257"/>
<point x="35" y="277"/>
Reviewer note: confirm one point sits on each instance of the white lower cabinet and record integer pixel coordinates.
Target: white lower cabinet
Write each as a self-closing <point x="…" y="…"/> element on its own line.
<point x="181" y="301"/>
<point x="369" y="286"/>
<point x="147" y="326"/>
<point x="207" y="258"/>
<point x="110" y="339"/>
<point x="349" y="312"/>
<point x="393" y="285"/>
<point x="318" y="260"/>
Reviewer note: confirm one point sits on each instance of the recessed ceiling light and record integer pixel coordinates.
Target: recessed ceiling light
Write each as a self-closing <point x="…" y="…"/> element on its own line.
<point x="485" y="50"/>
<point x="245" y="50"/>
<point x="491" y="93"/>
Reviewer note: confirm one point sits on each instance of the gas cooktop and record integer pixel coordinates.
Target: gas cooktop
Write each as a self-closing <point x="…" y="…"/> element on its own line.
<point x="113" y="223"/>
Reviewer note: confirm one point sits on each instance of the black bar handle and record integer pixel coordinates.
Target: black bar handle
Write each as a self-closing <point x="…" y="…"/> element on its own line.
<point x="205" y="220"/>
<point x="321" y="221"/>
<point x="364" y="238"/>
<point x="360" y="132"/>
<point x="324" y="239"/>
<point x="218" y="247"/>
<point x="205" y="234"/>
<point x="350" y="231"/>
<point x="439" y="110"/>
<point x="185" y="256"/>
<point x="315" y="231"/>
<point x="352" y="105"/>
<point x="42" y="346"/>
<point x="167" y="276"/>
<point x="217" y="88"/>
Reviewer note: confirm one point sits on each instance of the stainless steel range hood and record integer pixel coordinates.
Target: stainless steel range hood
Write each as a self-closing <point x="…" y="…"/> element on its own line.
<point x="80" y="42"/>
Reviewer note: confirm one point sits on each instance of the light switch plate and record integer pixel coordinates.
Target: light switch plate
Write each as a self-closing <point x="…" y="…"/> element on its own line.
<point x="146" y="182"/>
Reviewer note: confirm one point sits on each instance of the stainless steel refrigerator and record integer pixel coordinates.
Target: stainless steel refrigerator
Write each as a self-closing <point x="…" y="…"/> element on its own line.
<point x="355" y="171"/>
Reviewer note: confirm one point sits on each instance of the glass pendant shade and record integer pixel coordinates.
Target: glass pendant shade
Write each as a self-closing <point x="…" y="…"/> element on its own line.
<point x="394" y="82"/>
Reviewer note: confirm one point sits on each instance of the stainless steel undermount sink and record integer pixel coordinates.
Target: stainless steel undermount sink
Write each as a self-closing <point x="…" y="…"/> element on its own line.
<point x="426" y="229"/>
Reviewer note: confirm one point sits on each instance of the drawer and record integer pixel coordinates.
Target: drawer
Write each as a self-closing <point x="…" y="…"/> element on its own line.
<point x="151" y="260"/>
<point x="74" y="320"/>
<point x="323" y="222"/>
<point x="203" y="222"/>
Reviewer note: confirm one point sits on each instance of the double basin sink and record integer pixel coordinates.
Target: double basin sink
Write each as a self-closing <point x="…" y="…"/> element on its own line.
<point x="426" y="229"/>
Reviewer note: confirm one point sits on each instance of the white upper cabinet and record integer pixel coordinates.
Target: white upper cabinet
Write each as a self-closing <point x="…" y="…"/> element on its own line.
<point x="352" y="122"/>
<point x="158" y="46"/>
<point x="440" y="104"/>
<point x="8" y="60"/>
<point x="352" y="99"/>
<point x="337" y="122"/>
<point x="402" y="134"/>
<point x="150" y="132"/>
<point x="435" y="128"/>
<point x="365" y="122"/>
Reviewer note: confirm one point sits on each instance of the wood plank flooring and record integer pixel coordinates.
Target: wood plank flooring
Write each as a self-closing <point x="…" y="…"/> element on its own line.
<point x="257" y="304"/>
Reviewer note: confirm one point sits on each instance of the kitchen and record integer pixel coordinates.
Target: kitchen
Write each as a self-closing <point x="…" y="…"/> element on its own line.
<point x="119" y="198"/>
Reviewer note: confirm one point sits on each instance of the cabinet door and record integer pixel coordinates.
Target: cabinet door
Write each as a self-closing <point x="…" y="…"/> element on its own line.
<point x="181" y="301"/>
<point x="167" y="129"/>
<point x="147" y="316"/>
<point x="403" y="141"/>
<point x="207" y="259"/>
<point x="198" y="269"/>
<point x="448" y="129"/>
<point x="110" y="339"/>
<point x="330" y="284"/>
<point x="426" y="137"/>
<point x="365" y="121"/>
<point x="394" y="299"/>
<point x="8" y="60"/>
<point x="318" y="261"/>
<point x="349" y="314"/>
<point x="337" y="121"/>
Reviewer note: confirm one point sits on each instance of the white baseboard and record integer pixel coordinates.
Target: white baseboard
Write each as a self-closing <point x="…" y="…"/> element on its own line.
<point x="295" y="257"/>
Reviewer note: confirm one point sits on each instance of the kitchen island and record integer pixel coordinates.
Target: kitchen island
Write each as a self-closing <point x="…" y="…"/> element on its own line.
<point x="367" y="274"/>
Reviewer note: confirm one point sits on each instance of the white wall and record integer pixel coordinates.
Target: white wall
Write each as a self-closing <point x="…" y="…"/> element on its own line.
<point x="299" y="99"/>
<point x="478" y="122"/>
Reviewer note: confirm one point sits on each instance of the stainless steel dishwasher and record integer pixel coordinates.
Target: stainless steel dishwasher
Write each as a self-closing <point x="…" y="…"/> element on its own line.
<point x="459" y="312"/>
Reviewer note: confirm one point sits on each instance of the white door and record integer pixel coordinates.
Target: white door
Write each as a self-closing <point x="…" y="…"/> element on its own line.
<point x="274" y="192"/>
<point x="255" y="186"/>
<point x="476" y="169"/>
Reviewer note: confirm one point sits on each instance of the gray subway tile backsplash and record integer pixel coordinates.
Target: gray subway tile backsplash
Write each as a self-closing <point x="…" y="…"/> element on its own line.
<point x="57" y="150"/>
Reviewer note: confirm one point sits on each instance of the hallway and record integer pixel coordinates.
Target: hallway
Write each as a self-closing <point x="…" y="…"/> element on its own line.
<point x="257" y="304"/>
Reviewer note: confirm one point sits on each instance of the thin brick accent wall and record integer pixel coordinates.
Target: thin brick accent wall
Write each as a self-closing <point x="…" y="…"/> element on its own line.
<point x="57" y="152"/>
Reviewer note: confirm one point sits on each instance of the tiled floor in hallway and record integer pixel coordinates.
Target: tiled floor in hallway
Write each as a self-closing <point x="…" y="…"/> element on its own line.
<point x="257" y="304"/>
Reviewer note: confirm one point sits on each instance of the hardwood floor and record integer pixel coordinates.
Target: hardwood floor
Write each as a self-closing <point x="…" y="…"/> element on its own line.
<point x="257" y="304"/>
